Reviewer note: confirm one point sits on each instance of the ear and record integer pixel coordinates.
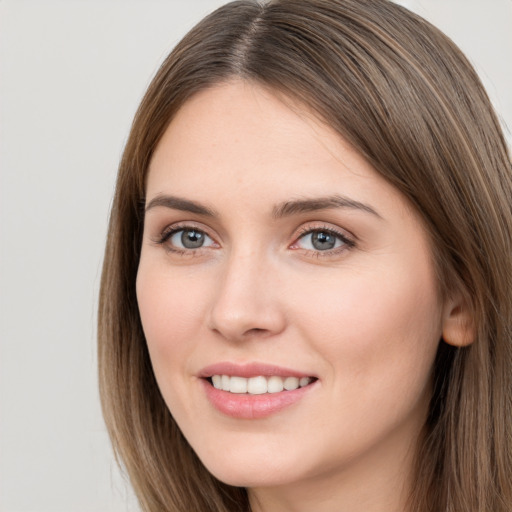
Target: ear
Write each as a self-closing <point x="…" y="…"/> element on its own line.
<point x="458" y="325"/>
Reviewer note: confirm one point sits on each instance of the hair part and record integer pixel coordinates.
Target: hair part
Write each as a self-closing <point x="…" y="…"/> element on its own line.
<point x="404" y="96"/>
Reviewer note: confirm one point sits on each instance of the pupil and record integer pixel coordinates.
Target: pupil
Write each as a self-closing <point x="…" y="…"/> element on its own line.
<point x="192" y="239"/>
<point x="323" y="241"/>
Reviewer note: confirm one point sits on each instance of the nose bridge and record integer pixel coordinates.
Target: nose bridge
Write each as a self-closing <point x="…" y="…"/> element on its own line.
<point x="245" y="302"/>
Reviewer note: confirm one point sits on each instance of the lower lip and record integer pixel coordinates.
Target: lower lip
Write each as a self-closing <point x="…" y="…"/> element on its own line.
<point x="250" y="407"/>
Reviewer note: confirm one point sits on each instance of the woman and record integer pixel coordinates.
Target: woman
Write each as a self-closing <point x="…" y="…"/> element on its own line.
<point x="305" y="299"/>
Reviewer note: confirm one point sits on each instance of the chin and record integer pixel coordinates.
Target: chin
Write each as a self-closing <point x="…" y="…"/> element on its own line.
<point x="244" y="471"/>
<point x="250" y="478"/>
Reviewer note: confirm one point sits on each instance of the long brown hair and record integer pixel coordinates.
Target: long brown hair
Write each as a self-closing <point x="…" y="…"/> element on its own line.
<point x="407" y="100"/>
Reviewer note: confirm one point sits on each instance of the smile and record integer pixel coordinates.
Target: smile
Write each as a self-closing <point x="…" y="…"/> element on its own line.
<point x="258" y="385"/>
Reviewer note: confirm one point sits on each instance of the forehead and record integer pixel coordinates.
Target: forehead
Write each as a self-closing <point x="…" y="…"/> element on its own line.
<point x="238" y="140"/>
<point x="241" y="117"/>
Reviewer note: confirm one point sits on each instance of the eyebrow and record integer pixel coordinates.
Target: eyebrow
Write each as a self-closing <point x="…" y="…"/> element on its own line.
<point x="281" y="210"/>
<point x="321" y="203"/>
<point x="179" y="203"/>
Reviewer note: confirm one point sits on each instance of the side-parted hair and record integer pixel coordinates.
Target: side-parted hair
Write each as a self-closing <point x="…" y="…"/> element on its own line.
<point x="403" y="95"/>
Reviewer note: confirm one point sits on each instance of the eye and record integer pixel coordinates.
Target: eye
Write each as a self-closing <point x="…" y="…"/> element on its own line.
<point x="322" y="240"/>
<point x="184" y="239"/>
<point x="189" y="238"/>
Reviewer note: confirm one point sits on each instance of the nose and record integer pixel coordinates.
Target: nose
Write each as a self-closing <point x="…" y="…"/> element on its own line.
<point x="247" y="301"/>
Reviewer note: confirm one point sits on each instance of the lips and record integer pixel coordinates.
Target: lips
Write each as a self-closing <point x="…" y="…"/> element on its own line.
<point x="250" y="370"/>
<point x="254" y="390"/>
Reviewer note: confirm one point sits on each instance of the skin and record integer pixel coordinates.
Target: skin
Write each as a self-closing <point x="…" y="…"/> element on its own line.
<point x="366" y="319"/>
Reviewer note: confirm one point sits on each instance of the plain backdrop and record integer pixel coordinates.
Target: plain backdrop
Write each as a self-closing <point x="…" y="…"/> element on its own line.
<point x="71" y="75"/>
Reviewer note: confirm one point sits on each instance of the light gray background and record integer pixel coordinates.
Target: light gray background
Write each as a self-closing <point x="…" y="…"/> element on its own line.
<point x="71" y="75"/>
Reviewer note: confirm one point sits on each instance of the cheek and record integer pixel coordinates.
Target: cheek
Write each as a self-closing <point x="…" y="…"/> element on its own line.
<point x="378" y="330"/>
<point x="372" y="307"/>
<point x="170" y="311"/>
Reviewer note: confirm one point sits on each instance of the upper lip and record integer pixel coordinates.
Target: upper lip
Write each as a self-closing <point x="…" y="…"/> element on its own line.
<point x="250" y="370"/>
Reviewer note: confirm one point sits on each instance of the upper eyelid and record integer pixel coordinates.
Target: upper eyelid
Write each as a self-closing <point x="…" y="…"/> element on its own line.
<point x="176" y="229"/>
<point x="183" y="225"/>
<point x="325" y="226"/>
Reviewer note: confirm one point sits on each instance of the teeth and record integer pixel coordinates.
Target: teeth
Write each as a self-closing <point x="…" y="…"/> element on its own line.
<point x="258" y="385"/>
<point x="275" y="384"/>
<point x="225" y="383"/>
<point x="217" y="381"/>
<point x="238" y="385"/>
<point x="291" y="383"/>
<point x="304" y="381"/>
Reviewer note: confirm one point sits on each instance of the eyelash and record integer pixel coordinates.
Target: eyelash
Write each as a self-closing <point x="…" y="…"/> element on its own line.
<point x="347" y="243"/>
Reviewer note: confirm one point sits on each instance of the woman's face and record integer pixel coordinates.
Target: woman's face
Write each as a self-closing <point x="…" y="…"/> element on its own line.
<point x="274" y="255"/>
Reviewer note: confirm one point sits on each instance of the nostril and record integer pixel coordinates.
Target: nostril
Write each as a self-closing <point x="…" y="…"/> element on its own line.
<point x="256" y="330"/>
